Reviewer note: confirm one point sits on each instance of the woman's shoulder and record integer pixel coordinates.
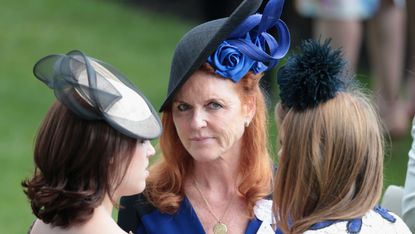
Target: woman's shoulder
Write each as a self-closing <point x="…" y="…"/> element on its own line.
<point x="376" y="221"/>
<point x="138" y="202"/>
<point x="132" y="208"/>
<point x="95" y="225"/>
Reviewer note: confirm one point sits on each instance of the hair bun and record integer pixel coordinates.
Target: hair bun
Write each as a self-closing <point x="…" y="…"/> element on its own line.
<point x="311" y="76"/>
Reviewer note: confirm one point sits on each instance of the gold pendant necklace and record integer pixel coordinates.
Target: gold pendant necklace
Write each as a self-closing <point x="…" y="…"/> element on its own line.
<point x="219" y="227"/>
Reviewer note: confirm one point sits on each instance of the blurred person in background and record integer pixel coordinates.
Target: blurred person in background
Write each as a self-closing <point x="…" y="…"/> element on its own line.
<point x="408" y="199"/>
<point x="342" y="20"/>
<point x="401" y="200"/>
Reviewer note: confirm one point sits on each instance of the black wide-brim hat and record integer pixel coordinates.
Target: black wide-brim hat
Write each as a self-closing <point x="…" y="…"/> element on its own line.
<point x="200" y="42"/>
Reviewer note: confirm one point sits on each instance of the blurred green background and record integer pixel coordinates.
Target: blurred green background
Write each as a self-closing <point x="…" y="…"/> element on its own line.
<point x="137" y="42"/>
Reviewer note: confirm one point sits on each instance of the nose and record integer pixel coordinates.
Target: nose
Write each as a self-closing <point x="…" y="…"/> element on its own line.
<point x="198" y="119"/>
<point x="150" y="149"/>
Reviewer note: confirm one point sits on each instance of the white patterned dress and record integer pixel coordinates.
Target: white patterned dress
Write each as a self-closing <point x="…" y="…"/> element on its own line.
<point x="376" y="221"/>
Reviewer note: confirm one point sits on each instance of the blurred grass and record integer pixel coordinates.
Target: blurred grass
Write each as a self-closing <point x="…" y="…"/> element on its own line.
<point x="396" y="150"/>
<point x="138" y="43"/>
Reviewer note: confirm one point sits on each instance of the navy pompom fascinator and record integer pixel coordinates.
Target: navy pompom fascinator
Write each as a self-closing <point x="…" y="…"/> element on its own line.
<point x="312" y="76"/>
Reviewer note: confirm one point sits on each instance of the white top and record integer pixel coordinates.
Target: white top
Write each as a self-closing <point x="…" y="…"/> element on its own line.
<point x="372" y="223"/>
<point x="408" y="200"/>
<point x="263" y="212"/>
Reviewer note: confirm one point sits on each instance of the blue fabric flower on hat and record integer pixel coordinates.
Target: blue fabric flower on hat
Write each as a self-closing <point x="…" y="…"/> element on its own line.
<point x="250" y="48"/>
<point x="230" y="62"/>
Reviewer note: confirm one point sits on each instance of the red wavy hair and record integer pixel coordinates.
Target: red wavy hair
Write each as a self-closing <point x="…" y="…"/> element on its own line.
<point x="165" y="186"/>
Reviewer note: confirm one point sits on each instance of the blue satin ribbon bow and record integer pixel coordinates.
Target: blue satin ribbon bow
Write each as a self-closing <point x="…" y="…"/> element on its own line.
<point x="251" y="45"/>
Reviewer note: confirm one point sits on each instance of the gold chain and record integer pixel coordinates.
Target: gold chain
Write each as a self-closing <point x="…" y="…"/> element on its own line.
<point x="208" y="205"/>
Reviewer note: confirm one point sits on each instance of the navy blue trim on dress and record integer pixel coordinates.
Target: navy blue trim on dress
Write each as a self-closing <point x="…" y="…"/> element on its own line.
<point x="385" y="214"/>
<point x="141" y="217"/>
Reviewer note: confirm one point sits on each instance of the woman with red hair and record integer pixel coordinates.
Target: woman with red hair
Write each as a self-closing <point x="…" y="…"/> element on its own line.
<point x="216" y="171"/>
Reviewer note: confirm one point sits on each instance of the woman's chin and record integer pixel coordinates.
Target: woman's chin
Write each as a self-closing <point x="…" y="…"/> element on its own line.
<point x="205" y="157"/>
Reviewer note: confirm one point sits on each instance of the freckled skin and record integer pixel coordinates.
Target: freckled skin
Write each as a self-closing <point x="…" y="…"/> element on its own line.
<point x="209" y="117"/>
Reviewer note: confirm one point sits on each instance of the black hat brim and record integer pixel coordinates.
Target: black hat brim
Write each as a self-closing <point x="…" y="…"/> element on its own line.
<point x="200" y="42"/>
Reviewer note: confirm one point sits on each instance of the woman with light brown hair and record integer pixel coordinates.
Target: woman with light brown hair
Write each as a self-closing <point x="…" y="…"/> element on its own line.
<point x="215" y="172"/>
<point x="330" y="173"/>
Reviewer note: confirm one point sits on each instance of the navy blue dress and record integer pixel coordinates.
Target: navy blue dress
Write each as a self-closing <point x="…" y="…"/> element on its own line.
<point x="139" y="216"/>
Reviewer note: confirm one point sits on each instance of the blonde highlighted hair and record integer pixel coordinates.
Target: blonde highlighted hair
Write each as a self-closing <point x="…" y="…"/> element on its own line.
<point x="331" y="164"/>
<point x="165" y="186"/>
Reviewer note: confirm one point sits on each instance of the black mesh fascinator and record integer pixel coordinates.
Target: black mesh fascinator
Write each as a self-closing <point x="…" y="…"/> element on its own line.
<point x="312" y="76"/>
<point x="110" y="96"/>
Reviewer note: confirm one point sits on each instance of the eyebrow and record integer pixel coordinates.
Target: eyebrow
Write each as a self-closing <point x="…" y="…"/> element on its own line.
<point x="175" y="102"/>
<point x="216" y="99"/>
<point x="208" y="100"/>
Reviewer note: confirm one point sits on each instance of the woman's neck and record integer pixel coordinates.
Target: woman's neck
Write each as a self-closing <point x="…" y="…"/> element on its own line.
<point x="102" y="218"/>
<point x="107" y="205"/>
<point x="220" y="175"/>
<point x="221" y="178"/>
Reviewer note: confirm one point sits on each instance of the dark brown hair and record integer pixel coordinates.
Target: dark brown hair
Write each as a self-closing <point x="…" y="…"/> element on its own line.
<point x="77" y="162"/>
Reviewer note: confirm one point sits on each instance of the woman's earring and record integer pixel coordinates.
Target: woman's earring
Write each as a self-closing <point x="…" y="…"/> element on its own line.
<point x="246" y="123"/>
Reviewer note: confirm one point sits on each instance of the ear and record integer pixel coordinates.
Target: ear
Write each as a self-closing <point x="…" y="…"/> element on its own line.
<point x="279" y="114"/>
<point x="250" y="108"/>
